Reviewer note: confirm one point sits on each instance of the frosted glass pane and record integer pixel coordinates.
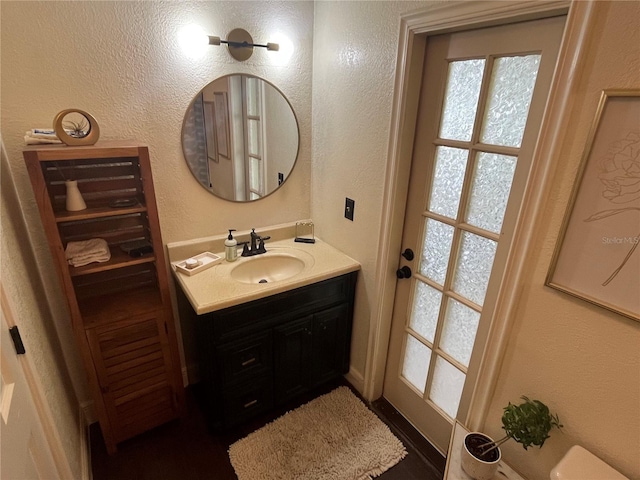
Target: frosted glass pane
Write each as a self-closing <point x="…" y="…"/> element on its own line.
<point x="436" y="250"/>
<point x="426" y="306"/>
<point x="461" y="99"/>
<point x="473" y="268"/>
<point x="490" y="190"/>
<point x="254" y="177"/>
<point x="415" y="367"/>
<point x="252" y="96"/>
<point x="512" y="83"/>
<point x="446" y="388"/>
<point x="459" y="333"/>
<point x="451" y="164"/>
<point x="254" y="145"/>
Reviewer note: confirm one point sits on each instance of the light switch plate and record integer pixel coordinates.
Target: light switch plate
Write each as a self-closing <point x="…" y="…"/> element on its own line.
<point x="349" y="206"/>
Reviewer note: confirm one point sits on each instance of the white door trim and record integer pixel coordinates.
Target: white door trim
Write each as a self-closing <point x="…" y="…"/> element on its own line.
<point x="414" y="28"/>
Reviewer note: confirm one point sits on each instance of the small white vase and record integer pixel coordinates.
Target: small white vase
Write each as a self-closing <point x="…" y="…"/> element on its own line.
<point x="474" y="467"/>
<point x="75" y="201"/>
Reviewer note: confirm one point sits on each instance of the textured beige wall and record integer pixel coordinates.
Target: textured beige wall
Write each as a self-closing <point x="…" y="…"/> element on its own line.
<point x="581" y="360"/>
<point x="355" y="50"/>
<point x="121" y="62"/>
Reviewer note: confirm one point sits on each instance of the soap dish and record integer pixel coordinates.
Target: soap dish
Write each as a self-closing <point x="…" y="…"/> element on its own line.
<point x="203" y="261"/>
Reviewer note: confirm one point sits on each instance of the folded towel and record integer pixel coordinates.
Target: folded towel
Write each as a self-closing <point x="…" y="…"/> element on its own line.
<point x="29" y="140"/>
<point x="37" y="136"/>
<point x="86" y="260"/>
<point x="87" y="251"/>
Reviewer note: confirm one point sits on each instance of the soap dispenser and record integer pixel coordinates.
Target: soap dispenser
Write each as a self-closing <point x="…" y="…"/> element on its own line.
<point x="231" y="248"/>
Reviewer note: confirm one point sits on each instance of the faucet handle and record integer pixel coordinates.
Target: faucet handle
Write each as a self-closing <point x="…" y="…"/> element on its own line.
<point x="261" y="248"/>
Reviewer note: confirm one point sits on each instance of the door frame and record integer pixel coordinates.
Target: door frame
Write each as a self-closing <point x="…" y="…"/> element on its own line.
<point x="415" y="27"/>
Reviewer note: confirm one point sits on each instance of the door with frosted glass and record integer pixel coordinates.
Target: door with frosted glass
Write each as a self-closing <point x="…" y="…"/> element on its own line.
<point x="481" y="105"/>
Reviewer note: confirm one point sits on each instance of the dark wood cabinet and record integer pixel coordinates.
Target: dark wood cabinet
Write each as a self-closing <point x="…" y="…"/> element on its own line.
<point x="120" y="309"/>
<point x="330" y="350"/>
<point x="263" y="353"/>
<point x="293" y="343"/>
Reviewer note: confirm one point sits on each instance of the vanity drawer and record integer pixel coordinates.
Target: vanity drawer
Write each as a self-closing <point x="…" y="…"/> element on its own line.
<point x="245" y="358"/>
<point x="247" y="400"/>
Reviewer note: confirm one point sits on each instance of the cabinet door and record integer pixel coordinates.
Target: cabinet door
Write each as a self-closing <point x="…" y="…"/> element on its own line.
<point x="133" y="364"/>
<point x="330" y="348"/>
<point x="292" y="348"/>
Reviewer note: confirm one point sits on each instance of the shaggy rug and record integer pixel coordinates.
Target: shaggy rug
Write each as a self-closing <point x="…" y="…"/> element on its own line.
<point x="333" y="437"/>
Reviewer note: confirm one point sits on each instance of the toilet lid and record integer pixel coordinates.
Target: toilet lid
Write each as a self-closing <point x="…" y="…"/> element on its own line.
<point x="580" y="464"/>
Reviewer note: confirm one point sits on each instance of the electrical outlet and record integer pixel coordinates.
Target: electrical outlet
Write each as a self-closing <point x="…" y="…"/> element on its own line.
<point x="348" y="209"/>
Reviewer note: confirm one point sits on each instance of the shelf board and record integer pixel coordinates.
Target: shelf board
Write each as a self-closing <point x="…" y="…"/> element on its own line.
<point x="118" y="306"/>
<point x="119" y="259"/>
<point x="104" y="149"/>
<point x="98" y="212"/>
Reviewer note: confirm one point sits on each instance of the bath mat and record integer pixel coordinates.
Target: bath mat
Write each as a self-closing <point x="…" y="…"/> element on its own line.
<point x="333" y="437"/>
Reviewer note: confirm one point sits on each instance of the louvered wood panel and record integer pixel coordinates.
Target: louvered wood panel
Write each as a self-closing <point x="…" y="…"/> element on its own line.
<point x="99" y="180"/>
<point x="145" y="412"/>
<point x="131" y="359"/>
<point x="114" y="230"/>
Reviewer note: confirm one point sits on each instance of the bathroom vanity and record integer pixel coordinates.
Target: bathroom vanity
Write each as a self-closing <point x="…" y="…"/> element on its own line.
<point x="262" y="344"/>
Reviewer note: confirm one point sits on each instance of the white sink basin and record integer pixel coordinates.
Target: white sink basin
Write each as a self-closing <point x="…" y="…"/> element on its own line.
<point x="267" y="268"/>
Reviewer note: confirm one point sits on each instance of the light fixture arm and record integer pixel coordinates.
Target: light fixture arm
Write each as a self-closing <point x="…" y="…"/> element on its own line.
<point x="240" y="44"/>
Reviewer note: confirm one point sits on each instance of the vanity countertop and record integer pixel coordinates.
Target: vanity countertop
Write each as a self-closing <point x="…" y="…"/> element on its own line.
<point x="214" y="289"/>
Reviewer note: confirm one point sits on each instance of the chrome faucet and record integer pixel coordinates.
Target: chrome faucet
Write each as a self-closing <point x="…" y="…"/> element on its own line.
<point x="255" y="245"/>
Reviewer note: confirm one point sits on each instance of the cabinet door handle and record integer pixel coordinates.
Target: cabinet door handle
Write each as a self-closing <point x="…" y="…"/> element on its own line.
<point x="248" y="362"/>
<point x="250" y="404"/>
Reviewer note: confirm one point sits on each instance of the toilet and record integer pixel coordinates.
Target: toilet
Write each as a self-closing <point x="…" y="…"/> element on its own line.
<point x="580" y="464"/>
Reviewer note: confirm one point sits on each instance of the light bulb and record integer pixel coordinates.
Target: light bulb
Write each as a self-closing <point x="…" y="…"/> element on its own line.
<point x="281" y="56"/>
<point x="193" y="41"/>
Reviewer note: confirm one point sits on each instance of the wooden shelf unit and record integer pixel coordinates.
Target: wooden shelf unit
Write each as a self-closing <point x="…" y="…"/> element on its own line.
<point x="120" y="310"/>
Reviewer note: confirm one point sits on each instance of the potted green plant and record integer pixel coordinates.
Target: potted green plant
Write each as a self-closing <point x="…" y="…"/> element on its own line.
<point x="528" y="423"/>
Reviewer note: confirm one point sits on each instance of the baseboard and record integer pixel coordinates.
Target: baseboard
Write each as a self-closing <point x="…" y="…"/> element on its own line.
<point x="85" y="441"/>
<point x="88" y="410"/>
<point x="190" y="374"/>
<point x="356" y="379"/>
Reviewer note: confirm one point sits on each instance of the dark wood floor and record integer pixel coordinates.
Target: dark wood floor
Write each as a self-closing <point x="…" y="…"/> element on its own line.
<point x="186" y="450"/>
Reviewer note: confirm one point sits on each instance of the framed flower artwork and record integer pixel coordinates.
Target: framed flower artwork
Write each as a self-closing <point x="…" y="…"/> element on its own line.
<point x="597" y="257"/>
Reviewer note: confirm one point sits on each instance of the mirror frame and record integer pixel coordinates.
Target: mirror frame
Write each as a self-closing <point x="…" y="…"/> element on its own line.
<point x="295" y="117"/>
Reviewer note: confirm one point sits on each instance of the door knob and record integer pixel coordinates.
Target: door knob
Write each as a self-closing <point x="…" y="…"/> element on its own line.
<point x="408" y="254"/>
<point x="404" y="272"/>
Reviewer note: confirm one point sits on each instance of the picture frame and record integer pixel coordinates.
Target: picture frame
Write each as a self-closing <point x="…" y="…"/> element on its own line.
<point x="596" y="257"/>
<point x="222" y="123"/>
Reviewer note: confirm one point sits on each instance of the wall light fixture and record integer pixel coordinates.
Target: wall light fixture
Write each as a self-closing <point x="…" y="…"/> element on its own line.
<point x="240" y="44"/>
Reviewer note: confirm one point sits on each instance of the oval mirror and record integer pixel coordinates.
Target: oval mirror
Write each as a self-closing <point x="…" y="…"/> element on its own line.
<point x="240" y="137"/>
